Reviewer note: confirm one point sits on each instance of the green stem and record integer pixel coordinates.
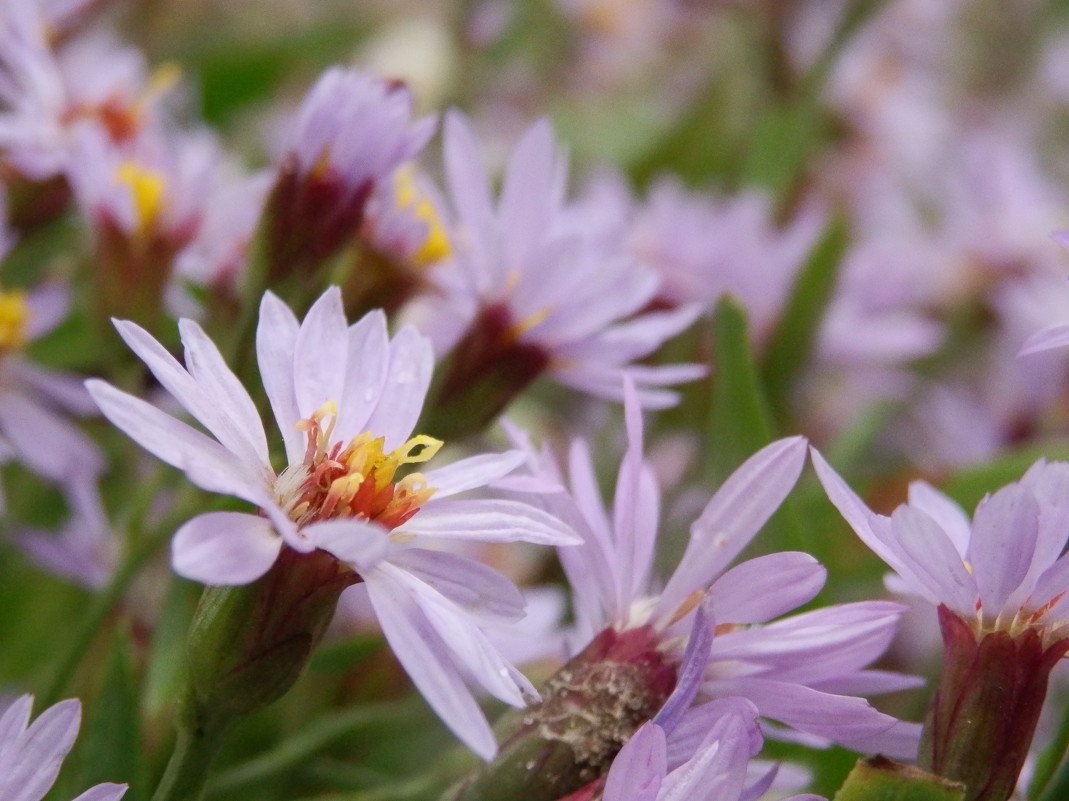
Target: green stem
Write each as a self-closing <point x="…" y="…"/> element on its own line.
<point x="1057" y="788"/>
<point x="190" y="762"/>
<point x="1052" y="756"/>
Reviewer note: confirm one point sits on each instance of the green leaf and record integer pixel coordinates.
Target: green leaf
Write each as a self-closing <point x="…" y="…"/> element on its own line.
<point x="793" y="339"/>
<point x="740" y="422"/>
<point x="969" y="486"/>
<point x="110" y="737"/>
<point x="880" y="779"/>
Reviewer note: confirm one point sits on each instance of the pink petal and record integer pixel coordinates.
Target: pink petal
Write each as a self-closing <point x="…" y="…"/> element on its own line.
<point x="320" y="356"/>
<point x="766" y="587"/>
<point x="638" y="770"/>
<point x="407" y="379"/>
<point x="276" y="338"/>
<point x="225" y="548"/>
<point x="734" y="515"/>
<point x="489" y="521"/>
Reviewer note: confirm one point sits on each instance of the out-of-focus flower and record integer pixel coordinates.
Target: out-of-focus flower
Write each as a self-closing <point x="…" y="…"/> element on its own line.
<point x="352" y="132"/>
<point x="85" y="550"/>
<point x="46" y="94"/>
<point x="704" y="246"/>
<point x="345" y="399"/>
<point x="526" y="293"/>
<point x="999" y="584"/>
<point x="31" y="754"/>
<point x="36" y="401"/>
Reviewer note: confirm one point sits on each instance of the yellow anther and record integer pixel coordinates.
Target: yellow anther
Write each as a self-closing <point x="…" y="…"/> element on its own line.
<point x="14" y="315"/>
<point x="147" y="187"/>
<point x="516" y="330"/>
<point x="409" y="196"/>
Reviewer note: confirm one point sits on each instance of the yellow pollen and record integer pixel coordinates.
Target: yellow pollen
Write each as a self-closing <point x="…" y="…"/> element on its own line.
<point x="409" y="197"/>
<point x="147" y="187"/>
<point x="355" y="479"/>
<point x="14" y="315"/>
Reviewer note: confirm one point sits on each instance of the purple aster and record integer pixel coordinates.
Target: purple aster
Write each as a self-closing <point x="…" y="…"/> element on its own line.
<point x="527" y="291"/>
<point x="345" y="399"/>
<point x="36" y="402"/>
<point x="352" y="132"/>
<point x="804" y="671"/>
<point x="1000" y="585"/>
<point x="31" y="754"/>
<point x="707" y="757"/>
<point x="48" y="92"/>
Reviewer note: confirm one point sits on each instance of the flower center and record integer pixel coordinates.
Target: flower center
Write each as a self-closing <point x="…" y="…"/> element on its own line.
<point x="14" y="315"/>
<point x="356" y="479"/>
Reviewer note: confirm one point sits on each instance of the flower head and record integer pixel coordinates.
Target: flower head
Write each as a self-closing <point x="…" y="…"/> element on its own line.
<point x="1000" y="584"/>
<point x="31" y="754"/>
<point x="345" y="399"/>
<point x="804" y="670"/>
<point x="526" y="291"/>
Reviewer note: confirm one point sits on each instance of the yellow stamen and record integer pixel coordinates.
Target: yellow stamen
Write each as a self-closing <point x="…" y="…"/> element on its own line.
<point x="530" y="321"/>
<point x="409" y="197"/>
<point x="147" y="187"/>
<point x="14" y="316"/>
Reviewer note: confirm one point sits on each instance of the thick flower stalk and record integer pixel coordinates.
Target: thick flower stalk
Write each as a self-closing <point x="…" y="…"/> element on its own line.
<point x="31" y="754"/>
<point x="999" y="584"/>
<point x="347" y="507"/>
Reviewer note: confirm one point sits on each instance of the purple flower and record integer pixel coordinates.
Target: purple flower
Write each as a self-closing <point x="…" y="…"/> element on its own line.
<point x="345" y="399"/>
<point x="352" y="132"/>
<point x="36" y="402"/>
<point x="527" y="291"/>
<point x="707" y="757"/>
<point x="1000" y="584"/>
<point x="803" y="671"/>
<point x="31" y="753"/>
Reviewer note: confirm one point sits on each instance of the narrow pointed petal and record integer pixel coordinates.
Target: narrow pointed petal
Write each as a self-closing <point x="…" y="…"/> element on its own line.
<point x="358" y="542"/>
<point x="405" y="388"/>
<point x="208" y="369"/>
<point x="1055" y="336"/>
<point x="276" y="339"/>
<point x="640" y="767"/>
<point x="489" y="521"/>
<point x="40" y="751"/>
<point x="471" y="473"/>
<point x="950" y="517"/>
<point x="369" y="348"/>
<point x="766" y="587"/>
<point x="928" y="560"/>
<point x="225" y="548"/>
<point x="206" y="409"/>
<point x="478" y="589"/>
<point x="1005" y="528"/>
<point x="734" y="515"/>
<point x="104" y="792"/>
<point x="321" y="354"/>
<point x="207" y="463"/>
<point x="425" y="658"/>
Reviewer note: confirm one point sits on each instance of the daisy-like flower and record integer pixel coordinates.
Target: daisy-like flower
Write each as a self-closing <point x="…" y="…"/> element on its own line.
<point x="47" y="92"/>
<point x="31" y="754"/>
<point x="345" y="399"/>
<point x="528" y="292"/>
<point x="632" y="633"/>
<point x="1000" y="585"/>
<point x="351" y="132"/>
<point x="36" y="402"/>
